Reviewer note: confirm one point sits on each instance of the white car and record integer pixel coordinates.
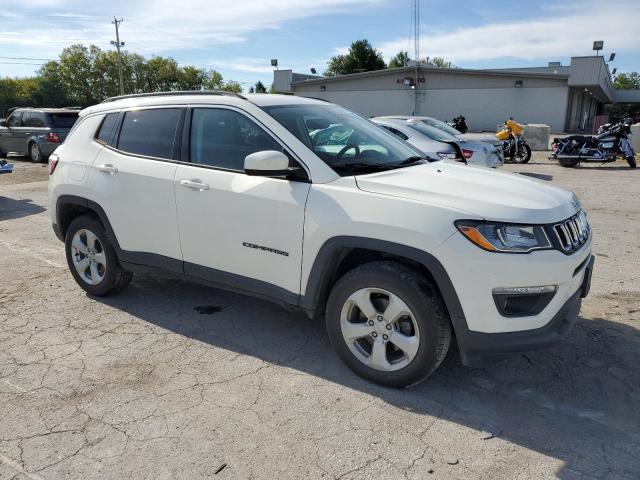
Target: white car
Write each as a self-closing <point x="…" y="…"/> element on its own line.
<point x="396" y="252"/>
<point x="427" y="136"/>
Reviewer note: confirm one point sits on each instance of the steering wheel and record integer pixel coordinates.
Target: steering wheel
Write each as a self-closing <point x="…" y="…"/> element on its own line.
<point x="346" y="148"/>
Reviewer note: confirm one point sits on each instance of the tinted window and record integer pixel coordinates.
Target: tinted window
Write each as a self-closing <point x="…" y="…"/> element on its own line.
<point x="14" y="120"/>
<point x="223" y="138"/>
<point x="149" y="132"/>
<point x="33" y="119"/>
<point x="106" y="129"/>
<point x="63" y="120"/>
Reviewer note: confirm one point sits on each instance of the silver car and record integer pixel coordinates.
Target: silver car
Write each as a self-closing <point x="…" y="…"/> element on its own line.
<point x="479" y="149"/>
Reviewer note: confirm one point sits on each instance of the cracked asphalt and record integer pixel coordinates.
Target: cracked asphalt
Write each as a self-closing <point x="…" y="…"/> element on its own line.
<point x="172" y="379"/>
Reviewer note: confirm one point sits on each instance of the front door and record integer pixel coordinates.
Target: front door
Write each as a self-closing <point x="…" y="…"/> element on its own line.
<point x="235" y="229"/>
<point x="13" y="133"/>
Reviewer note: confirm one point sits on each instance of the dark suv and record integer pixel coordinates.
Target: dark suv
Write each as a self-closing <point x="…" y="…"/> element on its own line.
<point x="35" y="132"/>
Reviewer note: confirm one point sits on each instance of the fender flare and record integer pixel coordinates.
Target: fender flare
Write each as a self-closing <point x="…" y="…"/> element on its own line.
<point x="334" y="250"/>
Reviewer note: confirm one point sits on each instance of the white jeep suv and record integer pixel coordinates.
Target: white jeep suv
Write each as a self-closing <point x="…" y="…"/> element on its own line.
<point x="308" y="204"/>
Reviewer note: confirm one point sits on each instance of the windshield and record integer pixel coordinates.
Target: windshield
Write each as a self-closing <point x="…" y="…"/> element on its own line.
<point x="63" y="120"/>
<point x="432" y="122"/>
<point x="432" y="132"/>
<point x="345" y="141"/>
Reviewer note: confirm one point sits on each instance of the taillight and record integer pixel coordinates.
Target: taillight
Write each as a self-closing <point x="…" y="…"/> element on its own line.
<point x="467" y="153"/>
<point x="53" y="137"/>
<point x="53" y="162"/>
<point x="554" y="146"/>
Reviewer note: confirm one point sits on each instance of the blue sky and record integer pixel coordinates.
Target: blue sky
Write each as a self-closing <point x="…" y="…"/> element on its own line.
<point x="239" y="38"/>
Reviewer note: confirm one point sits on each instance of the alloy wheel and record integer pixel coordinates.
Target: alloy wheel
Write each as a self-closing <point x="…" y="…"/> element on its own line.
<point x="88" y="257"/>
<point x="379" y="329"/>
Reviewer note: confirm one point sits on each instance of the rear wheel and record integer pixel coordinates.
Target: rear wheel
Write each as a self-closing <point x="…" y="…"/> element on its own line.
<point x="388" y="324"/>
<point x="568" y="162"/>
<point x="631" y="161"/>
<point x="92" y="259"/>
<point x="35" y="153"/>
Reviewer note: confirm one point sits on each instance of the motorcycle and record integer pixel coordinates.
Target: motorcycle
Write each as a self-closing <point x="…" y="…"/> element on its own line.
<point x="610" y="141"/>
<point x="459" y="123"/>
<point x="514" y="146"/>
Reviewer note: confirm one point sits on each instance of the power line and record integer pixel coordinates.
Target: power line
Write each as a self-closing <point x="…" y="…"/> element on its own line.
<point x="21" y="63"/>
<point x="26" y="58"/>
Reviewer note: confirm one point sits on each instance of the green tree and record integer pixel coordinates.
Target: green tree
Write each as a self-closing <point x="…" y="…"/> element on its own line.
<point x="627" y="81"/>
<point x="361" y="57"/>
<point x="439" y="62"/>
<point x="260" y="88"/>
<point x="401" y="59"/>
<point x="231" y="86"/>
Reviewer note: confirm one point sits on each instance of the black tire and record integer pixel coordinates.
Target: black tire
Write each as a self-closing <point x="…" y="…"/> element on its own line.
<point x="115" y="278"/>
<point x="631" y="161"/>
<point x="35" y="153"/>
<point x="568" y="162"/>
<point x="425" y="304"/>
<point x="527" y="155"/>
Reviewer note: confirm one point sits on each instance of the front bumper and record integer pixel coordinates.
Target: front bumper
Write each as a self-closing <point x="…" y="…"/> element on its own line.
<point x="475" y="347"/>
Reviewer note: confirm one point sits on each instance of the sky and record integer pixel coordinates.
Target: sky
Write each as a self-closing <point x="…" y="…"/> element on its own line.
<point x="238" y="38"/>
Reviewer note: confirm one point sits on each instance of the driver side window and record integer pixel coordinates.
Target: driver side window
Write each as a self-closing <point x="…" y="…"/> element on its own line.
<point x="223" y="138"/>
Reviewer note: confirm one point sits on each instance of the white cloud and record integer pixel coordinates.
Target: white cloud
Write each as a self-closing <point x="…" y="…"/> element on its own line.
<point x="564" y="32"/>
<point x="156" y="26"/>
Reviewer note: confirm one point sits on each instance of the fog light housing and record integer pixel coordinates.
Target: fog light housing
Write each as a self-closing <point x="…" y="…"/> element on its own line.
<point x="523" y="301"/>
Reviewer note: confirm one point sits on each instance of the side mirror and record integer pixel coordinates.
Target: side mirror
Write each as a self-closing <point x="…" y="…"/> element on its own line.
<point x="268" y="163"/>
<point x="3" y="123"/>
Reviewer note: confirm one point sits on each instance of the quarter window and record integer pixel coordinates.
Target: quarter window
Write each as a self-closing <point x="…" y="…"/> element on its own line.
<point x="149" y="132"/>
<point x="223" y="138"/>
<point x="105" y="134"/>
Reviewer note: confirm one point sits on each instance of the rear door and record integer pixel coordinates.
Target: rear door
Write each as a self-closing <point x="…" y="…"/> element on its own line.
<point x="132" y="178"/>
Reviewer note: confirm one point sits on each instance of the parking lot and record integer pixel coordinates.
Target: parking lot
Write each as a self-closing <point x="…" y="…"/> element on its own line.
<point x="172" y="379"/>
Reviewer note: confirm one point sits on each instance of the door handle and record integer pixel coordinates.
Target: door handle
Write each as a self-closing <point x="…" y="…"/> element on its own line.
<point x="194" y="184"/>
<point x="107" y="168"/>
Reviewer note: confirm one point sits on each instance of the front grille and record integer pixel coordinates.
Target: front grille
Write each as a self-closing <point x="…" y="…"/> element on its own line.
<point x="573" y="232"/>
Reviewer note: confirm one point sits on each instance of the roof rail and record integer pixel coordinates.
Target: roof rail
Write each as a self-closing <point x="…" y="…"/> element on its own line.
<point x="179" y="92"/>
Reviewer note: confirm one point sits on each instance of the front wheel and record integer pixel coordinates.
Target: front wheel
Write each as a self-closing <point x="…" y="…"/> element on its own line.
<point x="388" y="324"/>
<point x="92" y="259"/>
<point x="631" y="161"/>
<point x="522" y="154"/>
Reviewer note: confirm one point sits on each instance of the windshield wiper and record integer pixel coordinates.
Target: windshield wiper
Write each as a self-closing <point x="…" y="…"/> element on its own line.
<point x="410" y="161"/>
<point x="362" y="166"/>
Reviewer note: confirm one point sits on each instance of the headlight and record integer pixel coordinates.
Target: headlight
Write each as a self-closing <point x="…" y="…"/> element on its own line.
<point x="504" y="237"/>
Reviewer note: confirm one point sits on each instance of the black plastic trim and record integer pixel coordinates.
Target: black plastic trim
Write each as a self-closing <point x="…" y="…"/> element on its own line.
<point x="475" y="347"/>
<point x="336" y="248"/>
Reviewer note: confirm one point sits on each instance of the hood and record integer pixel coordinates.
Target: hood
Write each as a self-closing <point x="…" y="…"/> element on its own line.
<point x="478" y="192"/>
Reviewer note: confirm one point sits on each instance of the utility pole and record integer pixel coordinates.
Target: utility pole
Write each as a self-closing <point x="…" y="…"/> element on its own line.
<point x="118" y="44"/>
<point x="416" y="46"/>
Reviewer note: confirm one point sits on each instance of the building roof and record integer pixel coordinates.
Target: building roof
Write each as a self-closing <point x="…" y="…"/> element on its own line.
<point x="431" y="69"/>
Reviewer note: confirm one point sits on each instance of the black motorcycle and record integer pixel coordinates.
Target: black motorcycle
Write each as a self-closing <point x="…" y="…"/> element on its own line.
<point x="610" y="141"/>
<point x="459" y="123"/>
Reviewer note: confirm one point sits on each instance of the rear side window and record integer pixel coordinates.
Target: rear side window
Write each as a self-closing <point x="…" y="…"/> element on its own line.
<point x="33" y="119"/>
<point x="149" y="132"/>
<point x="105" y="133"/>
<point x="223" y="138"/>
<point x="63" y="120"/>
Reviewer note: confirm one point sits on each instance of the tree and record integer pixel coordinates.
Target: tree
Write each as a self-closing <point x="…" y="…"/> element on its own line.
<point x="439" y="62"/>
<point x="627" y="81"/>
<point x="401" y="59"/>
<point x="260" y="88"/>
<point x="361" y="57"/>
